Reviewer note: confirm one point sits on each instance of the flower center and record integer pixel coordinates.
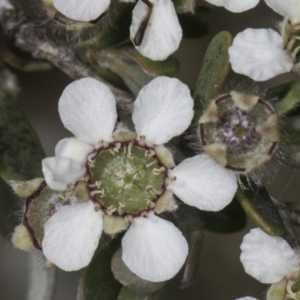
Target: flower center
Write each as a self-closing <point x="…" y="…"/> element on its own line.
<point x="236" y="129"/>
<point x="126" y="178"/>
<point x="239" y="131"/>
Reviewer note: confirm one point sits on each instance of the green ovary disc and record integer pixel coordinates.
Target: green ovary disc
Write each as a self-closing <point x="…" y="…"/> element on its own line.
<point x="126" y="179"/>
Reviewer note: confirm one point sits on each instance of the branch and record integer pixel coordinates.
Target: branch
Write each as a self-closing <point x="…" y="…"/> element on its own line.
<point x="30" y="39"/>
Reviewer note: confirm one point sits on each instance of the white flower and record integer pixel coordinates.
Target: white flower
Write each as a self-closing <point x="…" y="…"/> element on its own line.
<point x="81" y="10"/>
<point x="267" y="258"/>
<point x="288" y="8"/>
<point x="153" y="248"/>
<point x="247" y="298"/>
<point x="260" y="54"/>
<point x="155" y="30"/>
<point x="235" y="6"/>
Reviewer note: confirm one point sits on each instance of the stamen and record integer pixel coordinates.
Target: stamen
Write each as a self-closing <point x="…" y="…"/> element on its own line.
<point x="116" y="149"/>
<point x="97" y="184"/>
<point x="149" y="153"/>
<point x="157" y="172"/>
<point x="101" y="192"/>
<point x="62" y="198"/>
<point x="144" y="214"/>
<point x="150" y="204"/>
<point x="129" y="150"/>
<point x="97" y="206"/>
<point x="173" y="178"/>
<point x="151" y="164"/>
<point x="128" y="218"/>
<point x="289" y="289"/>
<point x="110" y="210"/>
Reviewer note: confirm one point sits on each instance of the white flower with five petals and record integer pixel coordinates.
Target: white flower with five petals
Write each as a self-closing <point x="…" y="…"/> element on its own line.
<point x="263" y="54"/>
<point x="152" y="248"/>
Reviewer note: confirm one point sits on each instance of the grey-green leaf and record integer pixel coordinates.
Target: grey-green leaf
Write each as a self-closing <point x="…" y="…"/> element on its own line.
<point x="128" y="294"/>
<point x="130" y="280"/>
<point x="98" y="282"/>
<point x="259" y="206"/>
<point x="214" y="70"/>
<point x="20" y="150"/>
<point x="9" y="203"/>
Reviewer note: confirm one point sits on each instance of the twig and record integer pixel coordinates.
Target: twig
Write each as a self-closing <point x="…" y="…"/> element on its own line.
<point x="30" y="39"/>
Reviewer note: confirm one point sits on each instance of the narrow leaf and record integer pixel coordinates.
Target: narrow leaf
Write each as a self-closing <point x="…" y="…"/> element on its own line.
<point x="9" y="204"/>
<point x="289" y="101"/>
<point x="167" y="67"/>
<point x="20" y="150"/>
<point x="128" y="294"/>
<point x="214" y="70"/>
<point x="129" y="279"/>
<point x="259" y="206"/>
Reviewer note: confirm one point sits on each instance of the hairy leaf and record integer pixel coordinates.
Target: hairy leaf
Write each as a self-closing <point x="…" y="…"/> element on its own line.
<point x="259" y="206"/>
<point x="128" y="294"/>
<point x="214" y="70"/>
<point x="130" y="280"/>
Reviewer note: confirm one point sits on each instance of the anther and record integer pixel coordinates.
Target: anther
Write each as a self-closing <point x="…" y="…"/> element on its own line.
<point x="110" y="210"/>
<point x="63" y="198"/>
<point x="97" y="207"/>
<point x="149" y="153"/>
<point x="157" y="172"/>
<point x="173" y="178"/>
<point x="97" y="184"/>
<point x="128" y="218"/>
<point x="144" y="214"/>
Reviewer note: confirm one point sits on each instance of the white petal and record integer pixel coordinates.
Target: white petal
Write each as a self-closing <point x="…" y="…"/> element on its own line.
<point x="163" y="33"/>
<point x="74" y="149"/>
<point x="154" y="249"/>
<point x="203" y="183"/>
<point x="286" y="8"/>
<point x="72" y="236"/>
<point x="87" y="108"/>
<point x="247" y="298"/>
<point x="162" y="110"/>
<point x="81" y="10"/>
<point x="60" y="171"/>
<point x="259" y="54"/>
<point x="235" y="6"/>
<point x="267" y="258"/>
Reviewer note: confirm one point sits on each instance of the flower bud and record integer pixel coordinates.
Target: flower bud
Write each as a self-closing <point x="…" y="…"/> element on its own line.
<point x="239" y="131"/>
